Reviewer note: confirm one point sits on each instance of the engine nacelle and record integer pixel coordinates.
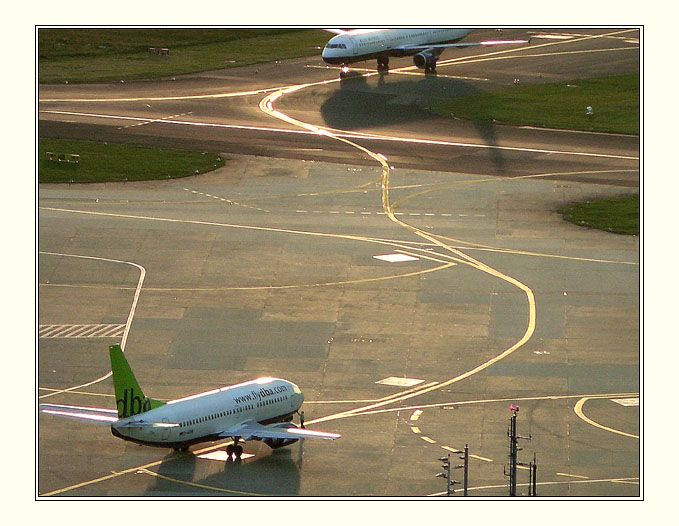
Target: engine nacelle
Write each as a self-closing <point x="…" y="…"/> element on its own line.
<point x="275" y="443"/>
<point x="425" y="59"/>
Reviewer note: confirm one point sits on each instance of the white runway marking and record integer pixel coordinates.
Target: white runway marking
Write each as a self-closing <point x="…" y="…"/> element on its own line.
<point x="396" y="258"/>
<point x="92" y="330"/>
<point x="626" y="402"/>
<point x="399" y="381"/>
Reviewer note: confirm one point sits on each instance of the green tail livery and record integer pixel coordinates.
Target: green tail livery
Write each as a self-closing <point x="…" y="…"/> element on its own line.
<point x="130" y="399"/>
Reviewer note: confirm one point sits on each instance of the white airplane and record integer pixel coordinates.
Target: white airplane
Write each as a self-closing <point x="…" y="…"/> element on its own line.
<point x="260" y="409"/>
<point x="425" y="44"/>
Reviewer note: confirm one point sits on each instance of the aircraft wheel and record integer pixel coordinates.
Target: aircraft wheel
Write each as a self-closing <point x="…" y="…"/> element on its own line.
<point x="238" y="450"/>
<point x="229" y="450"/>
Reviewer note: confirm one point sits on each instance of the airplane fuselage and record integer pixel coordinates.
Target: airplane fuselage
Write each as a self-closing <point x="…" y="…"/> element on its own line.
<point x="361" y="44"/>
<point x="201" y="417"/>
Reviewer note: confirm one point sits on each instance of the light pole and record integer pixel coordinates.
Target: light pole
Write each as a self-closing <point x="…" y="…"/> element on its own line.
<point x="447" y="467"/>
<point x="466" y="468"/>
<point x="514" y="450"/>
<point x="446" y="474"/>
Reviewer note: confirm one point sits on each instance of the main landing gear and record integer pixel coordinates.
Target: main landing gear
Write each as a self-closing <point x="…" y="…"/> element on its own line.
<point x="430" y="70"/>
<point x="234" y="449"/>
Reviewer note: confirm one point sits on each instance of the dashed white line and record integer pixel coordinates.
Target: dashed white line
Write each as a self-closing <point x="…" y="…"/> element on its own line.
<point x="225" y="200"/>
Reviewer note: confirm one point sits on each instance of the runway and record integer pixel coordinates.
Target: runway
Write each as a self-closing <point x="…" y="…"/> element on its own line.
<point x="267" y="267"/>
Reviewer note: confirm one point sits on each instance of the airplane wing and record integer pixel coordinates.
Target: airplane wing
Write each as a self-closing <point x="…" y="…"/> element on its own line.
<point x="250" y="429"/>
<point x="92" y="415"/>
<point x="462" y="45"/>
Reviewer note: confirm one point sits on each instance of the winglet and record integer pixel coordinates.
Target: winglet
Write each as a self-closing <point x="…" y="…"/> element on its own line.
<point x="130" y="399"/>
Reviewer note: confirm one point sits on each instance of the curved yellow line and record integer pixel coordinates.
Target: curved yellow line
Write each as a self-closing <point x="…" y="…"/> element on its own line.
<point x="578" y="411"/>
<point x="201" y="486"/>
<point x="266" y="105"/>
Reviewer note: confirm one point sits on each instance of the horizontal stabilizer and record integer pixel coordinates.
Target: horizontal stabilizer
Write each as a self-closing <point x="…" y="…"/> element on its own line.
<point x="92" y="415"/>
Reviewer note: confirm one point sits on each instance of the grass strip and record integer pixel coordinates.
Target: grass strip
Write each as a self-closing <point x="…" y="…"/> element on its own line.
<point x="619" y="215"/>
<point x="101" y="162"/>
<point x="614" y="100"/>
<point x="104" y="55"/>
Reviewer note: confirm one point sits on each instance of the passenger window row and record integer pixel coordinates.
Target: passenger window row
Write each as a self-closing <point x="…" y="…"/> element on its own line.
<point x="271" y="401"/>
<point x="231" y="411"/>
<point x="215" y="415"/>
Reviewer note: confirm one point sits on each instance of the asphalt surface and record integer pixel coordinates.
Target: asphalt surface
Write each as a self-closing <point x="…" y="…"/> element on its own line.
<point x="266" y="267"/>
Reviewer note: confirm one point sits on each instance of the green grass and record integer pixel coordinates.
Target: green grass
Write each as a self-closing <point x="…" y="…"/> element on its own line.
<point x="101" y="55"/>
<point x="114" y="162"/>
<point x="619" y="215"/>
<point x="615" y="101"/>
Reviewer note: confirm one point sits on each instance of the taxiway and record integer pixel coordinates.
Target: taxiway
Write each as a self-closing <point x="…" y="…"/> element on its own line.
<point x="268" y="266"/>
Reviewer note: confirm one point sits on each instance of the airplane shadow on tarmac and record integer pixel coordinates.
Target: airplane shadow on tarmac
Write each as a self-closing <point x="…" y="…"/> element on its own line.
<point x="390" y="100"/>
<point x="268" y="473"/>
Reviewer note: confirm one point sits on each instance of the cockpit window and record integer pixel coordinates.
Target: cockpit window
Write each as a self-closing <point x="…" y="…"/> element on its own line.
<point x="336" y="46"/>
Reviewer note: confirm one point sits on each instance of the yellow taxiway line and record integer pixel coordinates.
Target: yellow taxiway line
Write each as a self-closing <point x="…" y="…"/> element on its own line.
<point x="578" y="411"/>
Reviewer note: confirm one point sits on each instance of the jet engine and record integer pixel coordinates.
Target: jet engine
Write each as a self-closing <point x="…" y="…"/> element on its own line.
<point x="425" y="60"/>
<point x="275" y="443"/>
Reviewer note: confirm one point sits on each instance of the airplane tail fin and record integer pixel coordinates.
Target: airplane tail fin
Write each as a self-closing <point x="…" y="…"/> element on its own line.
<point x="130" y="399"/>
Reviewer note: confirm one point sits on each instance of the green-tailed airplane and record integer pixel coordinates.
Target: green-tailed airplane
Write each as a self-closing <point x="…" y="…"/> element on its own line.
<point x="260" y="409"/>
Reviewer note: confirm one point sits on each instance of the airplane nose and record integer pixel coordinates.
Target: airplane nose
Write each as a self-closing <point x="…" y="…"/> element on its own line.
<point x="297" y="399"/>
<point x="326" y="54"/>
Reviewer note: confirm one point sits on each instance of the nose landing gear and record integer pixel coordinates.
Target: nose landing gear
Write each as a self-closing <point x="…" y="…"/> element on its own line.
<point x="383" y="65"/>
